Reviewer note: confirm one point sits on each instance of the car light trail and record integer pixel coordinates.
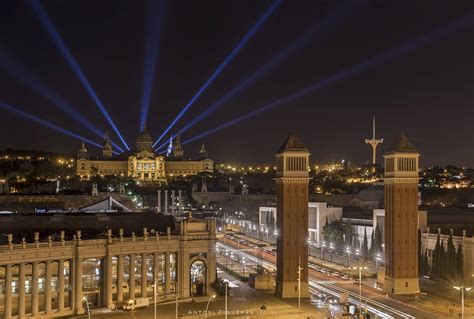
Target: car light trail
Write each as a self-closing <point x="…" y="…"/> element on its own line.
<point x="229" y="58"/>
<point x="154" y="26"/>
<point x="58" y="41"/>
<point x="374" y="61"/>
<point x="16" y="69"/>
<point x="45" y="123"/>
<point x="330" y="288"/>
<point x="333" y="17"/>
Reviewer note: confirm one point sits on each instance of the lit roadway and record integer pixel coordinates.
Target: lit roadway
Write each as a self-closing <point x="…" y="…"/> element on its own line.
<point x="376" y="302"/>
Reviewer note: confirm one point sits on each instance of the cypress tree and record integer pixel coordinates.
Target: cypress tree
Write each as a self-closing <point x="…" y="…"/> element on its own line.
<point x="420" y="254"/>
<point x="372" y="250"/>
<point x="426" y="264"/>
<point x="451" y="258"/>
<point x="442" y="261"/>
<point x="348" y="234"/>
<point x="365" y="245"/>
<point x="460" y="263"/>
<point x="435" y="260"/>
<point x="378" y="238"/>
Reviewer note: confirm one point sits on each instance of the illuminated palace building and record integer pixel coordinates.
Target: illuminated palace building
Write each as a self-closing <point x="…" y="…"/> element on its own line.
<point x="142" y="163"/>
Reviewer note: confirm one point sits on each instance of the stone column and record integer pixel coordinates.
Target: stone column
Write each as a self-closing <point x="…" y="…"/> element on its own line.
<point x="166" y="201"/>
<point x="47" y="294"/>
<point x="21" y="291"/>
<point x="8" y="292"/>
<point x="167" y="274"/>
<point x="131" y="277"/>
<point x="60" y="284"/>
<point x="172" y="202"/>
<point x="159" y="201"/>
<point x="72" y="284"/>
<point x="108" y="280"/>
<point x="34" y="288"/>
<point x="120" y="278"/>
<point x="78" y="286"/>
<point x="144" y="276"/>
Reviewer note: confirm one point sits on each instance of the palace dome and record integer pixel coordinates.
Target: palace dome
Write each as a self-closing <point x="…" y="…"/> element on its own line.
<point x="144" y="141"/>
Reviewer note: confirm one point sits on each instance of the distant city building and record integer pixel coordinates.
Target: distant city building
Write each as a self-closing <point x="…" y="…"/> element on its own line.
<point x="318" y="214"/>
<point x="143" y="163"/>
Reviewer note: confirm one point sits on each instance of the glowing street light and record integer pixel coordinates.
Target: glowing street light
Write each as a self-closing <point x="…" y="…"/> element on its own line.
<point x="462" y="288"/>
<point x="87" y="304"/>
<point x="207" y="306"/>
<point x="360" y="286"/>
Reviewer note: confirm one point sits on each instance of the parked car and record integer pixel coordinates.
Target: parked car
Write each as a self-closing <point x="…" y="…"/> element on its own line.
<point x="133" y="304"/>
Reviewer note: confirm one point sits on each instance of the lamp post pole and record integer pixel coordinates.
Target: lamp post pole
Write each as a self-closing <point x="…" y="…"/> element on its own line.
<point x="88" y="309"/>
<point x="155" y="292"/>
<point x="207" y="306"/>
<point x="226" y="283"/>
<point x="462" y="288"/>
<point x="360" y="287"/>
<point x="299" y="283"/>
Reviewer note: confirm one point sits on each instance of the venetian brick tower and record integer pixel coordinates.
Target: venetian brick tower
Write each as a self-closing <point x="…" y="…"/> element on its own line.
<point x="401" y="218"/>
<point x="292" y="217"/>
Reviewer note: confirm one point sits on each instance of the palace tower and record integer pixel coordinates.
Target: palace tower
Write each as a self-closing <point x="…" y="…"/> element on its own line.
<point x="401" y="218"/>
<point x="292" y="218"/>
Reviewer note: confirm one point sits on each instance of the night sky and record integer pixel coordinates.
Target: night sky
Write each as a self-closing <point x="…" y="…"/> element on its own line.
<point x="427" y="93"/>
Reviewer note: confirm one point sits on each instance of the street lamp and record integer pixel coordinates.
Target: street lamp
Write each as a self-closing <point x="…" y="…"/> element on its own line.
<point x="331" y="248"/>
<point x="299" y="282"/>
<point x="360" y="286"/>
<point x="87" y="304"/>
<point x="348" y="251"/>
<point x="462" y="288"/>
<point x="377" y="259"/>
<point x="322" y="249"/>
<point x="243" y="266"/>
<point x="226" y="283"/>
<point x="207" y="306"/>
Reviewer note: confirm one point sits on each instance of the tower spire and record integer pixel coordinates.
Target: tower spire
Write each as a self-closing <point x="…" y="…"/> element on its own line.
<point x="374" y="142"/>
<point x="373" y="128"/>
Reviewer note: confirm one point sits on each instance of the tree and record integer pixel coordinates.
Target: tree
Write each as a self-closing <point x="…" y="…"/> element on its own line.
<point x="348" y="234"/>
<point x="459" y="264"/>
<point x="372" y="251"/>
<point x="436" y="256"/>
<point x="420" y="255"/>
<point x="450" y="258"/>
<point x="365" y="245"/>
<point x="442" y="261"/>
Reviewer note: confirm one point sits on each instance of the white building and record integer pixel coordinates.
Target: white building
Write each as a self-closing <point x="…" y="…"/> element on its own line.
<point x="318" y="213"/>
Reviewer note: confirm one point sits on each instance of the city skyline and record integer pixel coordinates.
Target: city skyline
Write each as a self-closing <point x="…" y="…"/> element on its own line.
<point x="332" y="121"/>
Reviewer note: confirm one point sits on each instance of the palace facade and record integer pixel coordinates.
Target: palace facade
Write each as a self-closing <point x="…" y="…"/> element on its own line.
<point x="143" y="163"/>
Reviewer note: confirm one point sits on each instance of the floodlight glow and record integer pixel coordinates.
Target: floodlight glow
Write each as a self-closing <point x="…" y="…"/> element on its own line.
<point x="45" y="123"/>
<point x="16" y="69"/>
<point x="374" y="61"/>
<point x="170" y="147"/>
<point x="229" y="58"/>
<point x="155" y="23"/>
<point x="59" y="43"/>
<point x="333" y="17"/>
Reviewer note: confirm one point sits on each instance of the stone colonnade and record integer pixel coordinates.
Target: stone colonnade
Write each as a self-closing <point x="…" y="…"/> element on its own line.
<point x="62" y="263"/>
<point x="175" y="201"/>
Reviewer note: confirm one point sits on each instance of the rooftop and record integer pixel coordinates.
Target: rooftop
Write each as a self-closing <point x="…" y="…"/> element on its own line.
<point x="292" y="144"/>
